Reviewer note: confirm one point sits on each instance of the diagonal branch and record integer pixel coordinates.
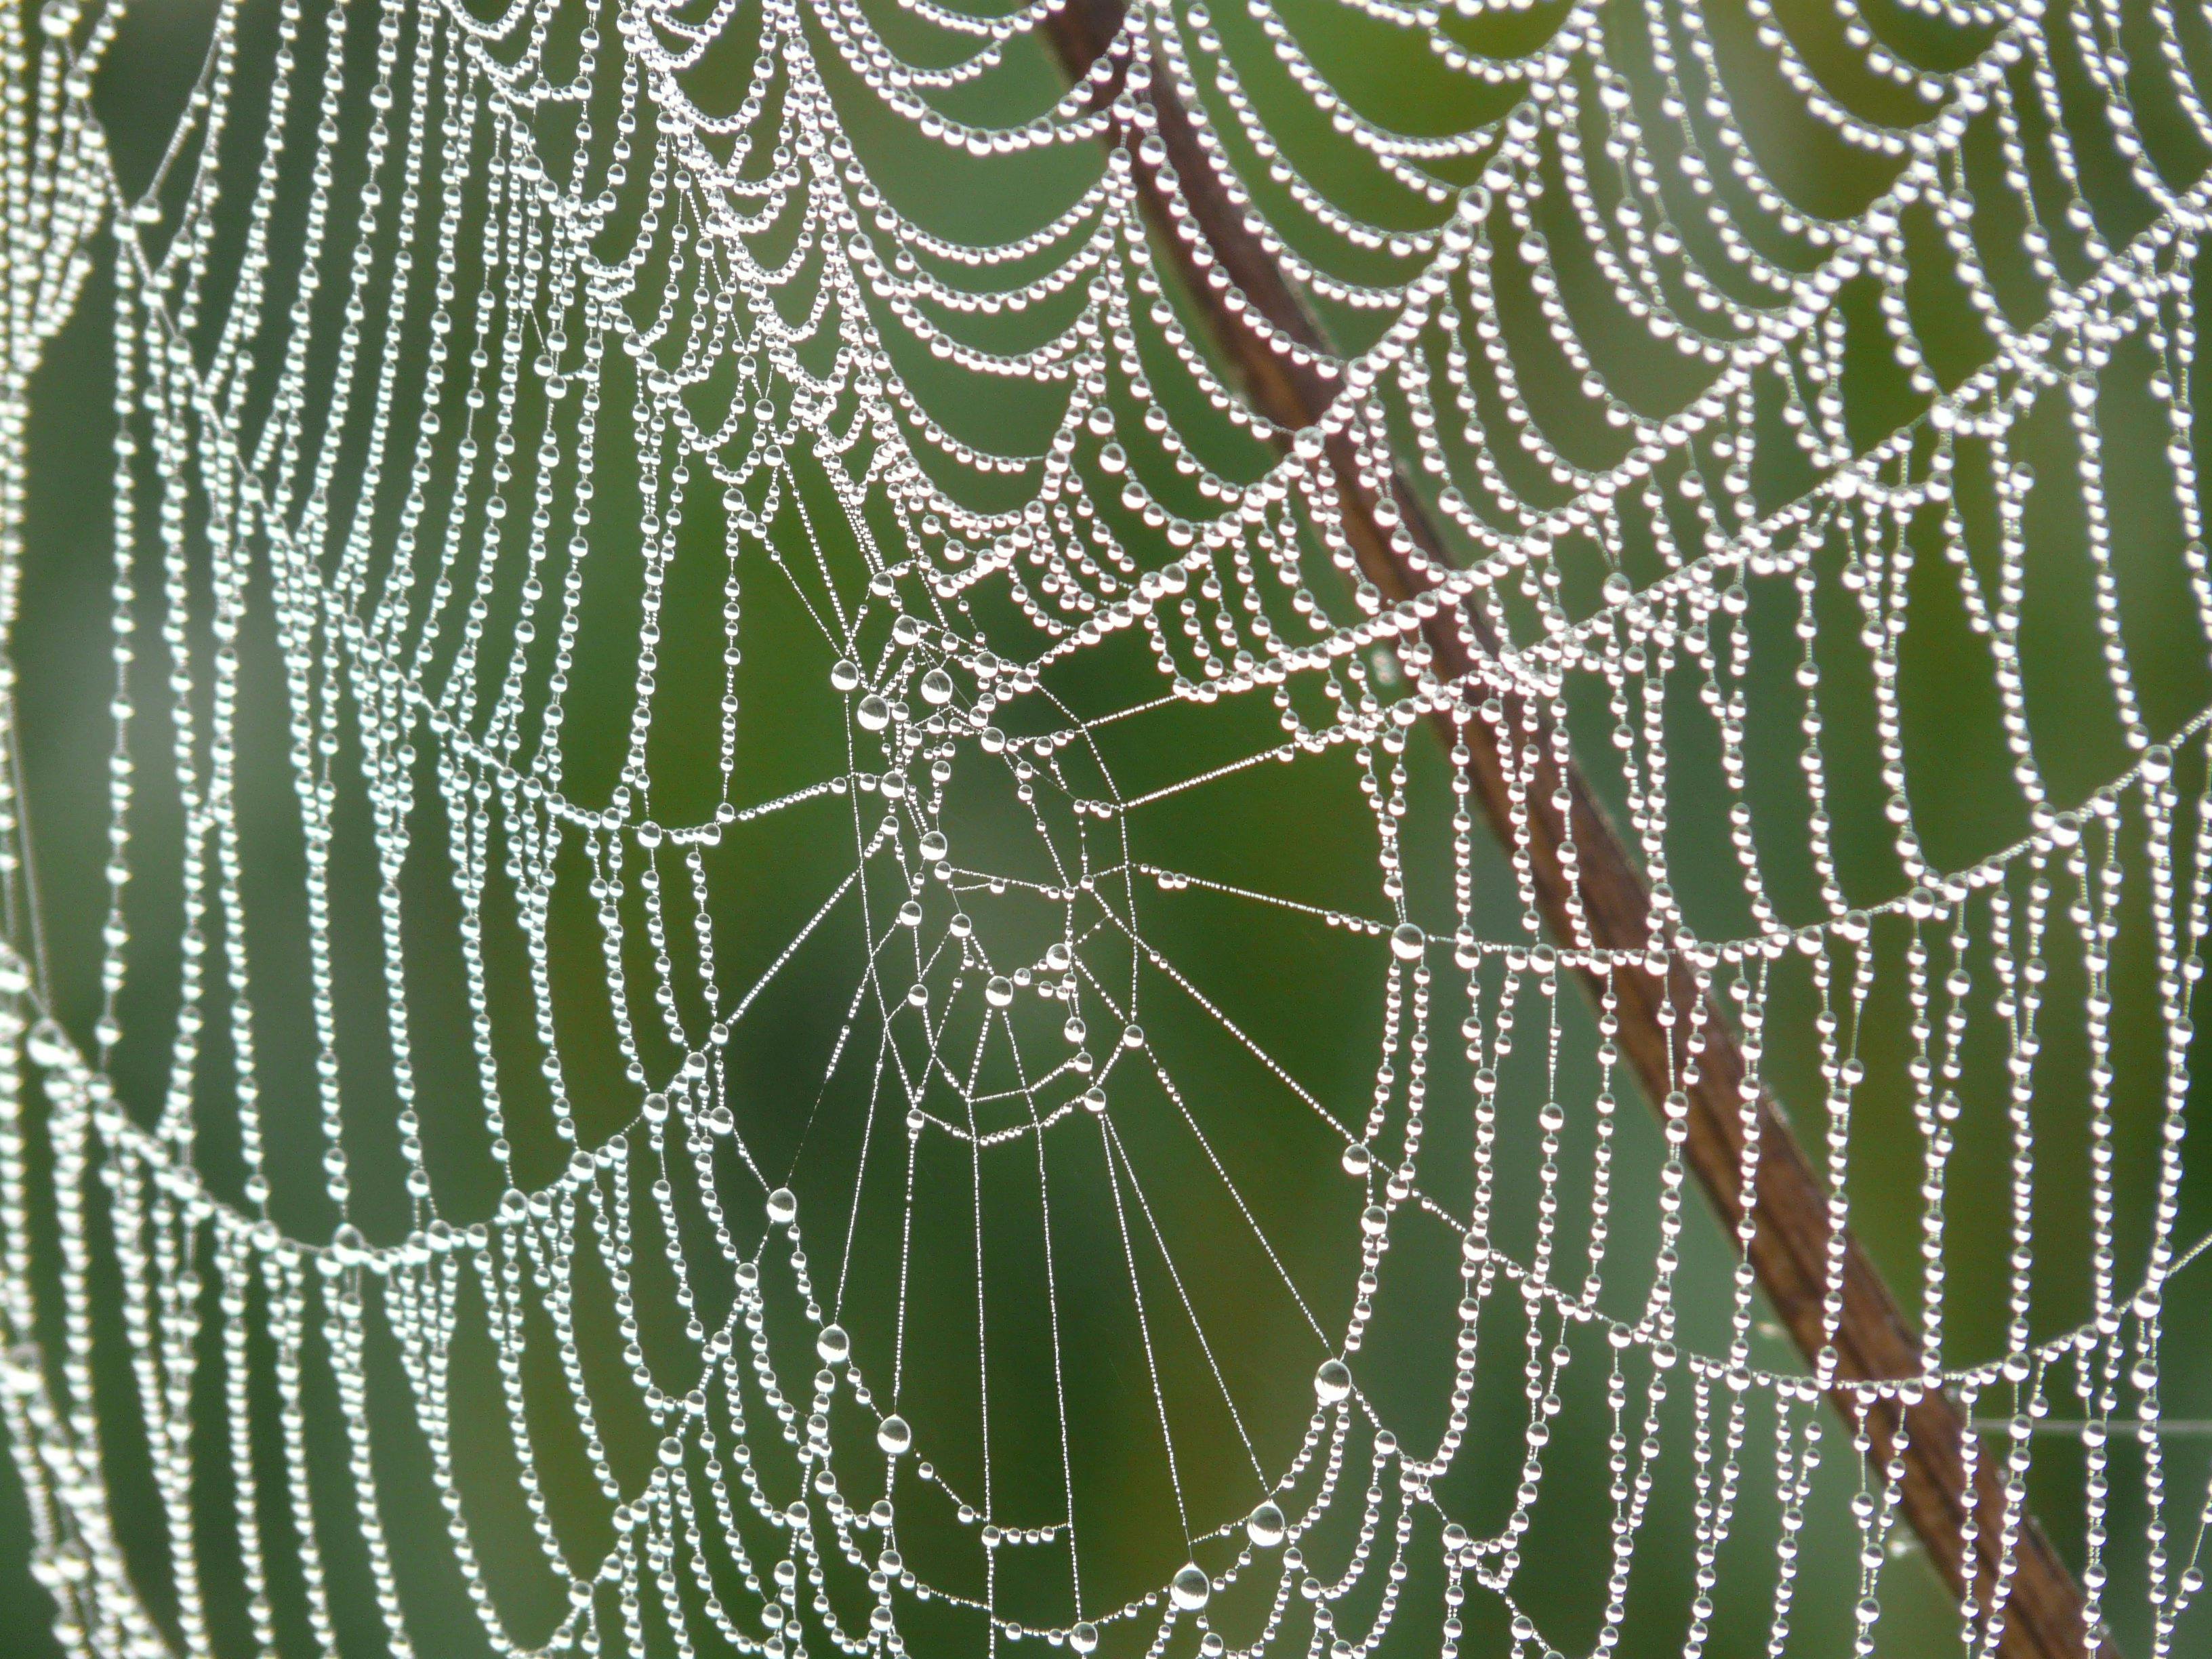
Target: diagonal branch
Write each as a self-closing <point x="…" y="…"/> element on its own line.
<point x="1595" y="887"/>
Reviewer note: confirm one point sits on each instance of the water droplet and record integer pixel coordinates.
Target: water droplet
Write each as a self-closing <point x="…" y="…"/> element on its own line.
<point x="961" y="925"/>
<point x="783" y="1206"/>
<point x="1618" y="590"/>
<point x="894" y="1436"/>
<point x="873" y="714"/>
<point x="934" y="847"/>
<point x="1358" y="1160"/>
<point x="1191" y="1589"/>
<point x="1265" y="1526"/>
<point x="1083" y="1638"/>
<point x="1375" y="1221"/>
<point x="1333" y="1382"/>
<point x="1407" y="942"/>
<point x="672" y="1450"/>
<point x="845" y="674"/>
<point x="910" y="914"/>
<point x="25" y="1373"/>
<point x="834" y="1344"/>
<point x="1000" y="992"/>
<point x="1094" y="1100"/>
<point x="937" y="687"/>
<point x="47" y="1046"/>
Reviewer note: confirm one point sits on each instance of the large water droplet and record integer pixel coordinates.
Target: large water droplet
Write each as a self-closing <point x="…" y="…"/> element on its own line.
<point x="1083" y="1638"/>
<point x="1191" y="1589"/>
<point x="1265" y="1526"/>
<point x="671" y="1451"/>
<point x="47" y="1046"/>
<point x="783" y="1206"/>
<point x="937" y="687"/>
<point x="833" y="1345"/>
<point x="934" y="847"/>
<point x="845" y="674"/>
<point x="894" y="1436"/>
<point x="1358" y="1160"/>
<point x="25" y="1373"/>
<point x="1407" y="942"/>
<point x="999" y="992"/>
<point x="1333" y="1382"/>
<point x="873" y="714"/>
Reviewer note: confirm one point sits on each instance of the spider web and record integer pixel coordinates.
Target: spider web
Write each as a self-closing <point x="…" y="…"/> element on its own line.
<point x="783" y="966"/>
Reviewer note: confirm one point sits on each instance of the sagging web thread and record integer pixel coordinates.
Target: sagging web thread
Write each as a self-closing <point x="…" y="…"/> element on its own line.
<point x="410" y="274"/>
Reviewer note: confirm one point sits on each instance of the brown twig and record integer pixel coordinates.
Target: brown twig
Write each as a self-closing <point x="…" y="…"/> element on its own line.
<point x="1597" y="888"/>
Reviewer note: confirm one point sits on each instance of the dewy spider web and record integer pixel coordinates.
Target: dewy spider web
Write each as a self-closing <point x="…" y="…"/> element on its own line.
<point x="421" y="307"/>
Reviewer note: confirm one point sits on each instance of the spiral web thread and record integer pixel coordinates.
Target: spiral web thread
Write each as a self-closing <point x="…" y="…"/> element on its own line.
<point x="373" y="346"/>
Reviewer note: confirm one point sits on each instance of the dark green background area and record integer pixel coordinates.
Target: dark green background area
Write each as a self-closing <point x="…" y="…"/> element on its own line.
<point x="1309" y="996"/>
